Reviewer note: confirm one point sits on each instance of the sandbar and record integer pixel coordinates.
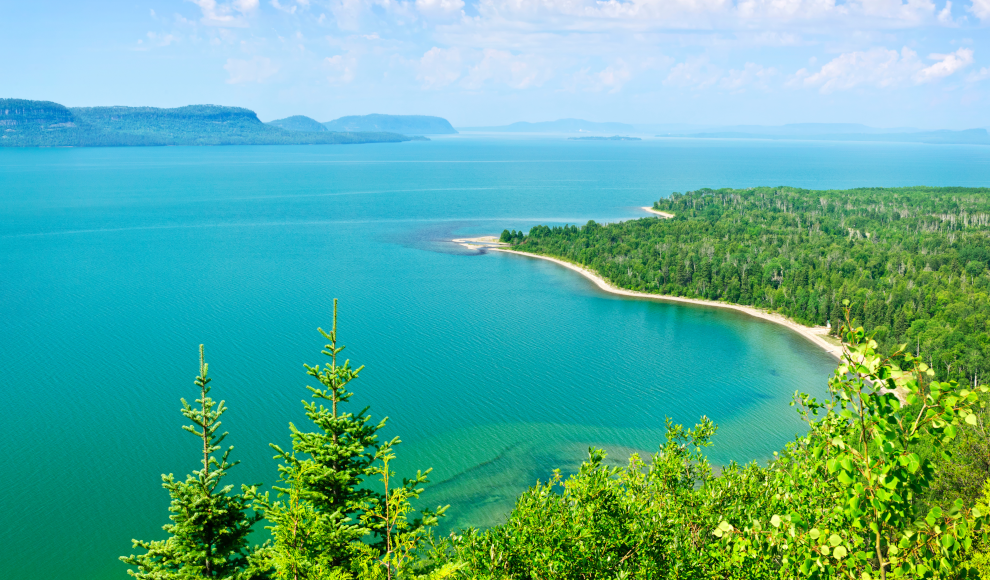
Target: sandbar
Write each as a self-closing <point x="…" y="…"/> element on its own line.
<point x="662" y="214"/>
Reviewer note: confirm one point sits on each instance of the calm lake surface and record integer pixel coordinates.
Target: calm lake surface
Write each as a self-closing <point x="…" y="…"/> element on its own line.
<point x="494" y="369"/>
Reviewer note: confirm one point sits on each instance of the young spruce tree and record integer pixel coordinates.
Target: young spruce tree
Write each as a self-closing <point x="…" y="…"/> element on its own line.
<point x="323" y="512"/>
<point x="210" y="526"/>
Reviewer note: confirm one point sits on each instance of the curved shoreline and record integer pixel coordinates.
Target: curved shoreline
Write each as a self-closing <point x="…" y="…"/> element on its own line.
<point x="813" y="334"/>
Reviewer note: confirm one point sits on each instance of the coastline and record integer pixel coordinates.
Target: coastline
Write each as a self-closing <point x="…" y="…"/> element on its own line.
<point x="813" y="334"/>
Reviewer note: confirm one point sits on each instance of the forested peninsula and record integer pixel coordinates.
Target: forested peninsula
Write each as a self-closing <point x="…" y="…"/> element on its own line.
<point x="913" y="262"/>
<point x="25" y="123"/>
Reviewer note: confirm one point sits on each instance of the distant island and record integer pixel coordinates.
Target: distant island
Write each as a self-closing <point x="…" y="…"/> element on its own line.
<point x="299" y="123"/>
<point x="25" y="123"/>
<point x="612" y="138"/>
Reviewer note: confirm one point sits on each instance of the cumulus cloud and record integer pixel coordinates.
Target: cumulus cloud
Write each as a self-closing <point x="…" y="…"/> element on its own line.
<point x="704" y="14"/>
<point x="439" y="67"/>
<point x="439" y="8"/>
<point x="881" y="67"/>
<point x="226" y="13"/>
<point x="287" y="9"/>
<point x="945" y="16"/>
<point x="980" y="75"/>
<point x="981" y="9"/>
<point x="257" y="70"/>
<point x="348" y="13"/>
<point x="947" y="64"/>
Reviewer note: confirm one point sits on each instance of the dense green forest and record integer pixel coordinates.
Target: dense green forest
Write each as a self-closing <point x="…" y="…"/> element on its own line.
<point x="912" y="261"/>
<point x="861" y="495"/>
<point x="45" y="124"/>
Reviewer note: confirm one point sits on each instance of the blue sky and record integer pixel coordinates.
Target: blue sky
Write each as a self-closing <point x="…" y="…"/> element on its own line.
<point x="887" y="63"/>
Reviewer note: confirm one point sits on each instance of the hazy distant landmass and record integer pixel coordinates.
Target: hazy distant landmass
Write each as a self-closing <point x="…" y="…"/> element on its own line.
<point x="558" y="126"/>
<point x="25" y="123"/>
<point x="807" y="131"/>
<point x="299" y="123"/>
<point x="599" y="138"/>
<point x="405" y="124"/>
<point x="944" y="137"/>
<point x="834" y="132"/>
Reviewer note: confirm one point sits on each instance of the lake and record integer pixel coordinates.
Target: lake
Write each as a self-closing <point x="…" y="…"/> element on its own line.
<point x="494" y="369"/>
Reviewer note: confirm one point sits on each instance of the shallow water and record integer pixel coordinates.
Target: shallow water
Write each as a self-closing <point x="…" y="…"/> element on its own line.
<point x="116" y="263"/>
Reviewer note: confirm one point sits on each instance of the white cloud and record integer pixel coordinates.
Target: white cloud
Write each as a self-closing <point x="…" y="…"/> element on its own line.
<point x="343" y="68"/>
<point x="287" y="9"/>
<point x="881" y="67"/>
<point x="947" y="64"/>
<point x="348" y="13"/>
<point x="439" y="8"/>
<point x="706" y="14"/>
<point x="226" y="14"/>
<point x="439" y="67"/>
<point x="981" y="9"/>
<point x="256" y="70"/>
<point x="980" y="75"/>
<point x="945" y="16"/>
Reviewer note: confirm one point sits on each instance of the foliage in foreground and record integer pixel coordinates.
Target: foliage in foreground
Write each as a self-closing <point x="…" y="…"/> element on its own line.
<point x="208" y="536"/>
<point x="839" y="502"/>
<point x="843" y="501"/>
<point x="326" y="521"/>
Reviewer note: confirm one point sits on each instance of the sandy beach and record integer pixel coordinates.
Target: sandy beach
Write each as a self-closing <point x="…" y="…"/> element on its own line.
<point x="662" y="214"/>
<point x="814" y="334"/>
<point x="480" y="242"/>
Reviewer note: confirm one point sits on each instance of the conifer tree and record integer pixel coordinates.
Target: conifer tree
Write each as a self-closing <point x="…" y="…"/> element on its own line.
<point x="323" y="512"/>
<point x="210" y="526"/>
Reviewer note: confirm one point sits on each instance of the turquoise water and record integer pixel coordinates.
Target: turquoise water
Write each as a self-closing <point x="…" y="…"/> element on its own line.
<point x="116" y="263"/>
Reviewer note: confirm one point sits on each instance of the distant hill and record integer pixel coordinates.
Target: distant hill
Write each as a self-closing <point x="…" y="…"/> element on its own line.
<point x="558" y="126"/>
<point x="298" y="123"/>
<point x="26" y="123"/>
<point x="405" y="124"/>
